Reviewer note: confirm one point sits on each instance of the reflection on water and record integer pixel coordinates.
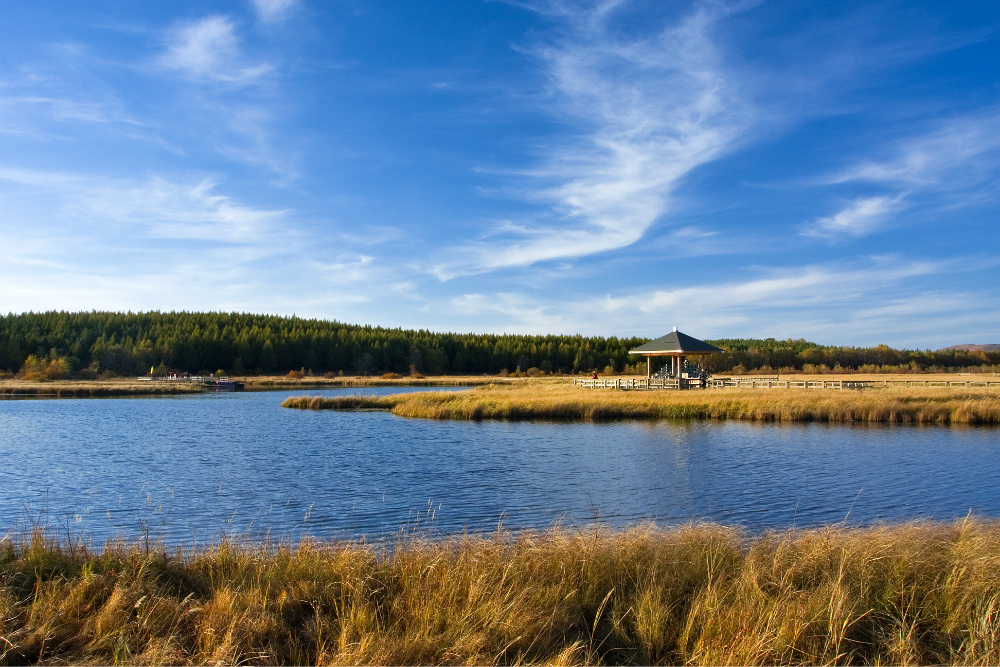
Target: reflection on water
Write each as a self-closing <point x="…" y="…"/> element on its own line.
<point x="195" y="467"/>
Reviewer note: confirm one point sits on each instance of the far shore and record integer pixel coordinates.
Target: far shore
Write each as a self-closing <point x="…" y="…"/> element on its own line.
<point x="123" y="386"/>
<point x="137" y="387"/>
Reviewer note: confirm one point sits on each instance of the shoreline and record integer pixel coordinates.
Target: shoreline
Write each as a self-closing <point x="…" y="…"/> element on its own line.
<point x="912" y="593"/>
<point x="123" y="387"/>
<point x="132" y="387"/>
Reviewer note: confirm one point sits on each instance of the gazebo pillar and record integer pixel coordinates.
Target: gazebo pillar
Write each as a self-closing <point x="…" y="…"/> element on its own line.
<point x="649" y="364"/>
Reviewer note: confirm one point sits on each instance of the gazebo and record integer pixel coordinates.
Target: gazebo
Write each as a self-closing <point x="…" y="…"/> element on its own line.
<point x="675" y="345"/>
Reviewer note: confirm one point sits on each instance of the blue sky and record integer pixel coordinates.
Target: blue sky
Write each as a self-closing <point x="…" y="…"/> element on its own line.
<point x="788" y="169"/>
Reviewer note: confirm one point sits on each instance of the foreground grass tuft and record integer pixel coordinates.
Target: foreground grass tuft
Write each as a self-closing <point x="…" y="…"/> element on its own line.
<point x="706" y="594"/>
<point x="565" y="402"/>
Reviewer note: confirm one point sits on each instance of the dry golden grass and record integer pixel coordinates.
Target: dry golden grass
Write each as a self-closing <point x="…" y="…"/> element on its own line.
<point x="133" y="387"/>
<point x="703" y="594"/>
<point x="85" y="388"/>
<point x="564" y="401"/>
<point x="382" y="381"/>
<point x="876" y="377"/>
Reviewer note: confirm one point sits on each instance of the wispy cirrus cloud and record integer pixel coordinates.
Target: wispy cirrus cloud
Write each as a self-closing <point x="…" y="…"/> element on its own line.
<point x="99" y="242"/>
<point x="655" y="109"/>
<point x="273" y="10"/>
<point x="860" y="301"/>
<point x="61" y="96"/>
<point x="859" y="218"/>
<point x="208" y="50"/>
<point x="62" y="109"/>
<point x="821" y="285"/>
<point x="957" y="163"/>
<point x="241" y="126"/>
<point x="154" y="208"/>
<point x="181" y="211"/>
<point x="520" y="313"/>
<point x="944" y="157"/>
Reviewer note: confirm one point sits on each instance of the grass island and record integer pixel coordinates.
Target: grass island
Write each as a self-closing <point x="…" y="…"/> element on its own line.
<point x="561" y="400"/>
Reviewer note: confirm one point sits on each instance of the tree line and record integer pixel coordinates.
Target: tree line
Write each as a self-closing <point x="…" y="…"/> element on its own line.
<point x="790" y="356"/>
<point x="89" y="344"/>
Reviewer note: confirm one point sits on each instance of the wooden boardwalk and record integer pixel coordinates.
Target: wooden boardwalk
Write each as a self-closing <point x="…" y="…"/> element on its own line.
<point x="765" y="382"/>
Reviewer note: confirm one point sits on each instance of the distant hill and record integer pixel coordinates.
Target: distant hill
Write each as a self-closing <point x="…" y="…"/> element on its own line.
<point x="991" y="347"/>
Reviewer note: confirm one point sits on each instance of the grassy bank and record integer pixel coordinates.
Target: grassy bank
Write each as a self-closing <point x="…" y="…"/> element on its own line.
<point x="132" y="387"/>
<point x="911" y="594"/>
<point x="356" y="381"/>
<point x="565" y="402"/>
<point x="94" y="388"/>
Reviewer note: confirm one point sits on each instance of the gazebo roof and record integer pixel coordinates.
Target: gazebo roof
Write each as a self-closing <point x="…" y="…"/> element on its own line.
<point x="675" y="342"/>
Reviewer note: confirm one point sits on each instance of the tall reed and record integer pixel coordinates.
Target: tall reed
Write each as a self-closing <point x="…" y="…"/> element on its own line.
<point x="550" y="401"/>
<point x="703" y="594"/>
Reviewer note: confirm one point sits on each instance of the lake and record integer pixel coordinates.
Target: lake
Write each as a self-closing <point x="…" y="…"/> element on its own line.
<point x="192" y="468"/>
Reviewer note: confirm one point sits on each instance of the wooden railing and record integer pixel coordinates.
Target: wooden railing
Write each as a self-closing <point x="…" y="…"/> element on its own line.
<point x="642" y="383"/>
<point x="765" y="382"/>
<point x="631" y="383"/>
<point x="846" y="384"/>
<point x="757" y="383"/>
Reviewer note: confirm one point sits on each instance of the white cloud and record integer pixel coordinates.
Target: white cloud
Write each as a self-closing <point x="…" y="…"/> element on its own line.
<point x="957" y="162"/>
<point x="657" y="108"/>
<point x="62" y="99"/>
<point x="956" y="150"/>
<point x="516" y="312"/>
<point x="156" y="208"/>
<point x="345" y="269"/>
<point x="803" y="286"/>
<point x="62" y="109"/>
<point x="81" y="241"/>
<point x="180" y="211"/>
<point x="209" y="50"/>
<point x="850" y="303"/>
<point x="272" y="10"/>
<point x="862" y="216"/>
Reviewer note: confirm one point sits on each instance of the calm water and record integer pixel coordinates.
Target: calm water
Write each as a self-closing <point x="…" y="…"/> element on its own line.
<point x="195" y="467"/>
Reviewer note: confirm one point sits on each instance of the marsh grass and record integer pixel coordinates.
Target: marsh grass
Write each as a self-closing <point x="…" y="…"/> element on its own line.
<point x="417" y="380"/>
<point x="705" y="594"/>
<point x="566" y="402"/>
<point x="74" y="389"/>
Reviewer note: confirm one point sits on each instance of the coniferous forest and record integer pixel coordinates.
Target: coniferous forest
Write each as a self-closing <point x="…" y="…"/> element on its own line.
<point x="92" y="344"/>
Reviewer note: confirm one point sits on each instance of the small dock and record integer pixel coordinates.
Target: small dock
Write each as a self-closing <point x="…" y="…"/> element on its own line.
<point x="208" y="381"/>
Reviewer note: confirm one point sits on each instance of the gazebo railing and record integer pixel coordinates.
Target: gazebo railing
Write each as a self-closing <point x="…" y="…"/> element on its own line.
<point x="643" y="383"/>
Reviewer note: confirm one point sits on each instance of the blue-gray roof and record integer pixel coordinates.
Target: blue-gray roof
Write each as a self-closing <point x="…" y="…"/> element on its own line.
<point x="675" y="341"/>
